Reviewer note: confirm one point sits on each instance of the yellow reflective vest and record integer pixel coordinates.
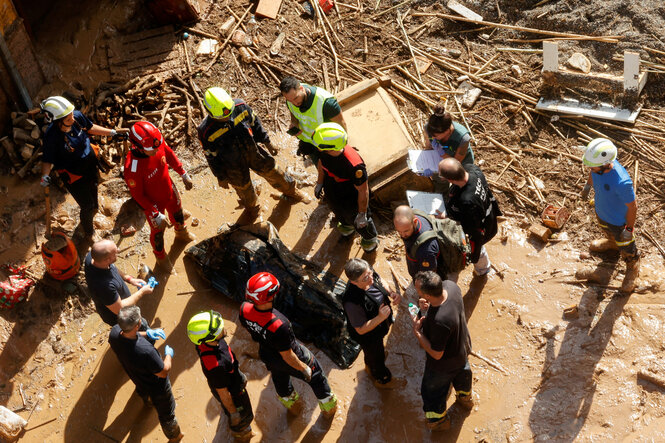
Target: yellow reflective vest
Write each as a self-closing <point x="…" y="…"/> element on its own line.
<point x="313" y="117"/>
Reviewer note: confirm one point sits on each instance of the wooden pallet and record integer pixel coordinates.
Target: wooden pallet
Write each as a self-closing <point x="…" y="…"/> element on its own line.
<point x="154" y="51"/>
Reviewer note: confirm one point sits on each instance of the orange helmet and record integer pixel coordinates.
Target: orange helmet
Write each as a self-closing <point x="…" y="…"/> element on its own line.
<point x="261" y="288"/>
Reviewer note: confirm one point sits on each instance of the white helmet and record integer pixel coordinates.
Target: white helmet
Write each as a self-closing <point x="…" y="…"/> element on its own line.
<point x="599" y="152"/>
<point x="57" y="107"/>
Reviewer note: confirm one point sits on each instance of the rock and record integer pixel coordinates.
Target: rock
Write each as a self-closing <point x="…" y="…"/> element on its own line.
<point x="578" y="61"/>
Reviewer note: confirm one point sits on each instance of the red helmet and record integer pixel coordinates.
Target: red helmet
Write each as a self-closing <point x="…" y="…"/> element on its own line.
<point x="262" y="288"/>
<point x="145" y="135"/>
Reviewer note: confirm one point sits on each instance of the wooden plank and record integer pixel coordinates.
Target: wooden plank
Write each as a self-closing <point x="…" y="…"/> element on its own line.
<point x="268" y="8"/>
<point x="602" y="111"/>
<point x="356" y="90"/>
<point x="550" y="57"/>
<point x="464" y="11"/>
<point x="139" y="36"/>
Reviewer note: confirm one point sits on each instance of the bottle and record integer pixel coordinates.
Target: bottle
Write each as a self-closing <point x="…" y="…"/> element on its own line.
<point x="414" y="310"/>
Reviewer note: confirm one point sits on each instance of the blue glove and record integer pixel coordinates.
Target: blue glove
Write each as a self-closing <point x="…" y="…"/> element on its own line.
<point x="152" y="282"/>
<point x="168" y="350"/>
<point x="156" y="334"/>
<point x="427" y="173"/>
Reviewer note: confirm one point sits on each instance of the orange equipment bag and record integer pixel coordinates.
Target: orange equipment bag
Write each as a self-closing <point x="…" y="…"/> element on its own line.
<point x="60" y="257"/>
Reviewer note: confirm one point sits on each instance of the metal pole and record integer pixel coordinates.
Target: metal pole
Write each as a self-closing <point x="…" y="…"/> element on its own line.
<point x="13" y="71"/>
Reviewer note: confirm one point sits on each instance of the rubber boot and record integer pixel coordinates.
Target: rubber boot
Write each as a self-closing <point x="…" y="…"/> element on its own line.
<point x="369" y="245"/>
<point x="293" y="403"/>
<point x="465" y="401"/>
<point x="603" y="245"/>
<point x="250" y="201"/>
<point x="598" y="275"/>
<point x="328" y="406"/>
<point x="243" y="436"/>
<point x="632" y="272"/>
<point x="345" y="230"/>
<point x="437" y="422"/>
<point x="286" y="184"/>
<point x="184" y="235"/>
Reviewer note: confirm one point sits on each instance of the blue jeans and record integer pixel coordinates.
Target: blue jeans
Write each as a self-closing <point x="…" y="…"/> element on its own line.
<point x="436" y="384"/>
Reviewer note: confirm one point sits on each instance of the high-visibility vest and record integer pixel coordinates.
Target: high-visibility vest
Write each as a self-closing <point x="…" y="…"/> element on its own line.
<point x="313" y="117"/>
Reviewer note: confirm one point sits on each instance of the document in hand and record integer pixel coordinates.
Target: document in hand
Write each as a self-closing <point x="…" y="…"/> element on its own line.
<point x="420" y="160"/>
<point x="428" y="202"/>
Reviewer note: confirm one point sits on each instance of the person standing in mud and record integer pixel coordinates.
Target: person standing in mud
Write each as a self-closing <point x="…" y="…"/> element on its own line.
<point x="342" y="181"/>
<point x="220" y="367"/>
<point x="616" y="208"/>
<point x="68" y="150"/>
<point x="472" y="204"/>
<point x="234" y="141"/>
<point x="283" y="355"/>
<point x="310" y="107"/>
<point x="369" y="315"/>
<point x="450" y="140"/>
<point x="147" y="176"/>
<point x="147" y="370"/>
<point x="443" y="334"/>
<point x="409" y="226"/>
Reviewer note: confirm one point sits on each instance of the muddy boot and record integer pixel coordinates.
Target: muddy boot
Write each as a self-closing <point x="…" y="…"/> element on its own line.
<point x="598" y="275"/>
<point x="243" y="436"/>
<point x="172" y="431"/>
<point x="293" y="403"/>
<point x="286" y="184"/>
<point x="248" y="216"/>
<point x="250" y="200"/>
<point x="184" y="235"/>
<point x="438" y="423"/>
<point x="632" y="272"/>
<point x="394" y="383"/>
<point x="328" y="406"/>
<point x="369" y="245"/>
<point x="345" y="230"/>
<point x="465" y="401"/>
<point x="603" y="245"/>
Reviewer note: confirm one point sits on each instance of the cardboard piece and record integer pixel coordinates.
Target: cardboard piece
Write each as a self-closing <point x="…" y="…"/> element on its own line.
<point x="268" y="8"/>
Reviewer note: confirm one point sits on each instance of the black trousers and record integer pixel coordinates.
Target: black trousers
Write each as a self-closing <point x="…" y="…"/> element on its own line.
<point x="375" y="357"/>
<point x="281" y="373"/>
<point x="84" y="191"/>
<point x="164" y="403"/>
<point x="241" y="402"/>
<point x="343" y="198"/>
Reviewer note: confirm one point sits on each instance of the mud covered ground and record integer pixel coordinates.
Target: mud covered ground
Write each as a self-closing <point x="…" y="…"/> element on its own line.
<point x="557" y="379"/>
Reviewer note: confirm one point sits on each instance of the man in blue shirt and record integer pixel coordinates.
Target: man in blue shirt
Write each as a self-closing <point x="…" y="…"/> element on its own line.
<point x="616" y="207"/>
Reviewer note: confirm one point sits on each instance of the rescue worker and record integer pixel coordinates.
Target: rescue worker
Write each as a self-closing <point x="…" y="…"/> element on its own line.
<point x="441" y="330"/>
<point x="409" y="226"/>
<point x="449" y="139"/>
<point x="367" y="305"/>
<point x="220" y="367"/>
<point x="310" y="106"/>
<point x="234" y="141"/>
<point x="615" y="205"/>
<point x="342" y="179"/>
<point x="283" y="355"/>
<point x="471" y="204"/>
<point x="68" y="150"/>
<point x="147" y="176"/>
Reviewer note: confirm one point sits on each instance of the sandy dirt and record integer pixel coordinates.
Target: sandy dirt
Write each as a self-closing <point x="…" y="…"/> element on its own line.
<point x="557" y="379"/>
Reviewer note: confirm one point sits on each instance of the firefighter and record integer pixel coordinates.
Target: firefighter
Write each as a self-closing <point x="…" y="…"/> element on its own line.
<point x="283" y="355"/>
<point x="234" y="141"/>
<point x="147" y="176"/>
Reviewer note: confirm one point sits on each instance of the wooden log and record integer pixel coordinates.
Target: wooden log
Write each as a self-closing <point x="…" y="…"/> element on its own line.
<point x="503" y="147"/>
<point x="21" y="135"/>
<point x="10" y="149"/>
<point x="28" y="165"/>
<point x="651" y="378"/>
<point x="542" y="232"/>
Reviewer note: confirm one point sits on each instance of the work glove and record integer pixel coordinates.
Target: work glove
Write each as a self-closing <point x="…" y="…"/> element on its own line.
<point x="361" y="220"/>
<point x="585" y="191"/>
<point x="115" y="135"/>
<point x="427" y="173"/>
<point x="159" y="220"/>
<point x="187" y="180"/>
<point x="45" y="181"/>
<point x="318" y="190"/>
<point x="626" y="234"/>
<point x="235" y="418"/>
<point x="223" y="183"/>
<point x="307" y="374"/>
<point x="271" y="148"/>
<point x="156" y="334"/>
<point x="168" y="350"/>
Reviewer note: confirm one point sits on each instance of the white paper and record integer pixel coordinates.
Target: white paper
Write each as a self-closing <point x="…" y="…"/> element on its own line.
<point x="428" y="202"/>
<point x="207" y="46"/>
<point x="420" y="160"/>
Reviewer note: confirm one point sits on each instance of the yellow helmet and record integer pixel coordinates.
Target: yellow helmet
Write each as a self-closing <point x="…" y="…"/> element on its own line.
<point x="330" y="137"/>
<point x="218" y="102"/>
<point x="57" y="107"/>
<point x="205" y="326"/>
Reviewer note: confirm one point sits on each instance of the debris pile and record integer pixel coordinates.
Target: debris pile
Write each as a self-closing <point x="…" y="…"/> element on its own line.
<point x="24" y="144"/>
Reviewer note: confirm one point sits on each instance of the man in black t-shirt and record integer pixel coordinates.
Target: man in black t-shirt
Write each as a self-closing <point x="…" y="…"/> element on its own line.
<point x="108" y="287"/>
<point x="283" y="355"/>
<point x="220" y="367"/>
<point x="472" y="204"/>
<point x="367" y="306"/>
<point x="145" y="368"/>
<point x="444" y="336"/>
<point x="409" y="226"/>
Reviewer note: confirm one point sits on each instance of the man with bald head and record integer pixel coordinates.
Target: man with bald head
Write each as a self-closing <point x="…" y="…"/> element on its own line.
<point x="471" y="204"/>
<point x="409" y="226"/>
<point x="108" y="286"/>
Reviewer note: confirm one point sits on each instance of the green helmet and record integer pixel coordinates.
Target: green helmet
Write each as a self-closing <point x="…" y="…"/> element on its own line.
<point x="599" y="152"/>
<point x="205" y="326"/>
<point x="218" y="102"/>
<point x="330" y="137"/>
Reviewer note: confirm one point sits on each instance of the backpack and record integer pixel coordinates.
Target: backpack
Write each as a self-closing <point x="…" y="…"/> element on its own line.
<point x="454" y="250"/>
